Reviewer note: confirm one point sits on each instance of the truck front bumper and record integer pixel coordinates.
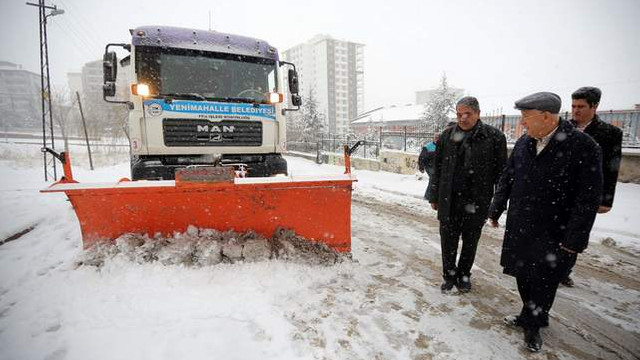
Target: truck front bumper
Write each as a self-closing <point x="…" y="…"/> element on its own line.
<point x="164" y="167"/>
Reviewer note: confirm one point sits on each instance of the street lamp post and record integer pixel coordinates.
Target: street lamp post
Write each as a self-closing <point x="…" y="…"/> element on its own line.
<point x="45" y="83"/>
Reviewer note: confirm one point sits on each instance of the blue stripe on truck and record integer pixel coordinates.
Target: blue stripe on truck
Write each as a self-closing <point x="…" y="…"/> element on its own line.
<point x="216" y="108"/>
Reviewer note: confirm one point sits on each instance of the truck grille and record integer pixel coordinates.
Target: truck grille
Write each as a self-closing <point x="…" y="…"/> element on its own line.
<point x="199" y="132"/>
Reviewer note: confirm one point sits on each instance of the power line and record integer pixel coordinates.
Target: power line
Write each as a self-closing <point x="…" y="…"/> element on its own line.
<point x="86" y="30"/>
<point x="86" y="42"/>
<point x="80" y="45"/>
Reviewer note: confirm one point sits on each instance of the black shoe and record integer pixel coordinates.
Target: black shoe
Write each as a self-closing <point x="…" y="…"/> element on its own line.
<point x="447" y="285"/>
<point x="512" y="321"/>
<point x="568" y="282"/>
<point x="533" y="340"/>
<point x="464" y="284"/>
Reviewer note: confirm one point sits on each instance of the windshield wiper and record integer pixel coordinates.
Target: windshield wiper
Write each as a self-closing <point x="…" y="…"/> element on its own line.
<point x="168" y="97"/>
<point x="238" y="100"/>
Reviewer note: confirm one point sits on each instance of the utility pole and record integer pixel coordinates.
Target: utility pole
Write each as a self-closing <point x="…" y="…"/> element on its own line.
<point x="45" y="86"/>
<point x="84" y="125"/>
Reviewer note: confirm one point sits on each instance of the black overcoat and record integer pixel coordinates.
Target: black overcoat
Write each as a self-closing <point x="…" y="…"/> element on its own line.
<point x="553" y="197"/>
<point x="488" y="157"/>
<point x="609" y="138"/>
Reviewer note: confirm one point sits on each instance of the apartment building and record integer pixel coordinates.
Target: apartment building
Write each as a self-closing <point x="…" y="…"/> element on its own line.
<point x="334" y="70"/>
<point x="20" y="102"/>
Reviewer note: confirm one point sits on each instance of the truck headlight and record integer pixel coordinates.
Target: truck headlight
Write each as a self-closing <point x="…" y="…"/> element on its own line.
<point x="275" y="98"/>
<point x="140" y="89"/>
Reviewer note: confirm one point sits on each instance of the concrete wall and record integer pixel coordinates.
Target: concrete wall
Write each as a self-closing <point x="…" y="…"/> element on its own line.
<point x="630" y="167"/>
<point x="356" y="163"/>
<point x="398" y="162"/>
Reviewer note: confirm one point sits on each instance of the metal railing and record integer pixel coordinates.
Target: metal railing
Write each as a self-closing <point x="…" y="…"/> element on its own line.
<point x="627" y="120"/>
<point x="407" y="139"/>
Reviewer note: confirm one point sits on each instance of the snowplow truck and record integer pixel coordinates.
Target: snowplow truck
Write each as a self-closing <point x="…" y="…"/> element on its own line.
<point x="206" y="110"/>
<point x="202" y="98"/>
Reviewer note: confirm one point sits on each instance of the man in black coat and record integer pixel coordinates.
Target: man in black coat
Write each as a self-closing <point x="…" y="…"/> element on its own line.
<point x="469" y="160"/>
<point x="553" y="182"/>
<point x="584" y="105"/>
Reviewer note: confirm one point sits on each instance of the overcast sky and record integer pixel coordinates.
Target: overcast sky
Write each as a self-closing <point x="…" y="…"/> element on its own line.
<point x="496" y="50"/>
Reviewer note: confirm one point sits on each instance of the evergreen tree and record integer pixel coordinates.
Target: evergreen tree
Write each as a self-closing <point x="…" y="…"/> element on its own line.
<point x="438" y="108"/>
<point x="372" y="131"/>
<point x="311" y="119"/>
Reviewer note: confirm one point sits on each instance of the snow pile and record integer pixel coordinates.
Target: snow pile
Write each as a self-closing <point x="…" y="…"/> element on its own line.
<point x="206" y="247"/>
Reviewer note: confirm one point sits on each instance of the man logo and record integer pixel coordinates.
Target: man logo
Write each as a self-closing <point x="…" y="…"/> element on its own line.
<point x="154" y="109"/>
<point x="215" y="131"/>
<point x="215" y="128"/>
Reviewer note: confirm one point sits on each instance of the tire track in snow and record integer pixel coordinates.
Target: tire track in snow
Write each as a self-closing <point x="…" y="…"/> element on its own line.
<point x="18" y="234"/>
<point x="577" y="330"/>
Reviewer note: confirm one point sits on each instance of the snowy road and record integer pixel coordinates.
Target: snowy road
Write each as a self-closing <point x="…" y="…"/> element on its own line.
<point x="599" y="318"/>
<point x="385" y="305"/>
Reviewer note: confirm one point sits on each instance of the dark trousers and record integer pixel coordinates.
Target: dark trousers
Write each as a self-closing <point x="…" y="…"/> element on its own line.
<point x="570" y="268"/>
<point x="429" y="172"/>
<point x="470" y="227"/>
<point x="537" y="285"/>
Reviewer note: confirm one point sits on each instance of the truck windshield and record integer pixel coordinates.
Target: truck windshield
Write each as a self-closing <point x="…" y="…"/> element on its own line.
<point x="199" y="75"/>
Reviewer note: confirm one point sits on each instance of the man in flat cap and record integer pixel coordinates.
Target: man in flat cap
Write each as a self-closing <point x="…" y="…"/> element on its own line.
<point x="468" y="163"/>
<point x="584" y="105"/>
<point x="553" y="181"/>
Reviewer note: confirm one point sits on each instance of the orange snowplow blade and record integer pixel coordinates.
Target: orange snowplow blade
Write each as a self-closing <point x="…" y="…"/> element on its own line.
<point x="317" y="208"/>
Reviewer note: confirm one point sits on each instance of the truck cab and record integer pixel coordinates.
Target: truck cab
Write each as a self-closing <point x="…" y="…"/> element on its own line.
<point x="202" y="98"/>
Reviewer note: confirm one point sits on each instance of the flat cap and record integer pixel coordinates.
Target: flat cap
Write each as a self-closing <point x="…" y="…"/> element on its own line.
<point x="543" y="101"/>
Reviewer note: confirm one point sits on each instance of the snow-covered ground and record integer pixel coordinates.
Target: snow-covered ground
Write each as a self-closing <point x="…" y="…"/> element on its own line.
<point x="385" y="305"/>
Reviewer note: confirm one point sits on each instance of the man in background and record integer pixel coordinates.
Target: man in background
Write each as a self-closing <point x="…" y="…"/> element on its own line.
<point x="584" y="104"/>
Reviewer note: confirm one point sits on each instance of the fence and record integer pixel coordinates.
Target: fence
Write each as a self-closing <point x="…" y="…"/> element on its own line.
<point x="627" y="120"/>
<point x="409" y="140"/>
<point x="334" y="144"/>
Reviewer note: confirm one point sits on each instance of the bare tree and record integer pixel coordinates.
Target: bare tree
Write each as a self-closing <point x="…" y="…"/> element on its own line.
<point x="104" y="120"/>
<point x="62" y="116"/>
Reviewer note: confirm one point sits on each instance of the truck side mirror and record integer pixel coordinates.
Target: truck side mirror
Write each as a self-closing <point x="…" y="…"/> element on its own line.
<point x="296" y="100"/>
<point x="109" y="89"/>
<point x="294" y="88"/>
<point x="293" y="81"/>
<point x="110" y="72"/>
<point x="109" y="66"/>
